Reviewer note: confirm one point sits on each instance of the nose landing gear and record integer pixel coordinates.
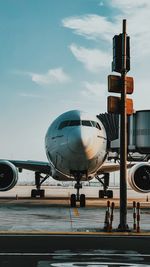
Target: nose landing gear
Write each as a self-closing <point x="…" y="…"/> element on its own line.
<point x="77" y="197"/>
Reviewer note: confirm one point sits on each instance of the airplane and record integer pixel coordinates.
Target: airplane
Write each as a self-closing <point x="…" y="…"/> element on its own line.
<point x="76" y="146"/>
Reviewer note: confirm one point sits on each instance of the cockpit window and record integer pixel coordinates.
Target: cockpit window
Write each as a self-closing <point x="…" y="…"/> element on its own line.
<point x="75" y="123"/>
<point x="87" y="123"/>
<point x="96" y="124"/>
<point x="63" y="124"/>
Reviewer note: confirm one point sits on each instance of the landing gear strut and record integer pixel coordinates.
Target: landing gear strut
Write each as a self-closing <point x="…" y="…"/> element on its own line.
<point x="104" y="180"/>
<point x="38" y="182"/>
<point x="77" y="197"/>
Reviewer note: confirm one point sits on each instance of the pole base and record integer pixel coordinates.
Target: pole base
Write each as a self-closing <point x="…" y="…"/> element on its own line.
<point x="123" y="228"/>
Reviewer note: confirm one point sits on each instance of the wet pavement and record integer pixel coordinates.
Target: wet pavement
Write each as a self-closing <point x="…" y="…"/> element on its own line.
<point x="52" y="215"/>
<point x="35" y="216"/>
<point x="92" y="258"/>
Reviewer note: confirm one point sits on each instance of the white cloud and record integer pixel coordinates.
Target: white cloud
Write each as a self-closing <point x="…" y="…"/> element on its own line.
<point x="30" y="95"/>
<point x="94" y="95"/>
<point x="137" y="13"/>
<point x="90" y="26"/>
<point x="51" y="77"/>
<point x="93" y="59"/>
<point x="128" y="5"/>
<point x="94" y="89"/>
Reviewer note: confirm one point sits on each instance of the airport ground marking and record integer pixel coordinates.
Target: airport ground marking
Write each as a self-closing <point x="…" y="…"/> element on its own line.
<point x="76" y="212"/>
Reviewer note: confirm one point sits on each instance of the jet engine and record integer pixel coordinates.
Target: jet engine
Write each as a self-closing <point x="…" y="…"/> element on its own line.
<point x="8" y="175"/>
<point x="139" y="177"/>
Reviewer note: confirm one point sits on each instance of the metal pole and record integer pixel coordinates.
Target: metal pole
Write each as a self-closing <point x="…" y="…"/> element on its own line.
<point x="123" y="140"/>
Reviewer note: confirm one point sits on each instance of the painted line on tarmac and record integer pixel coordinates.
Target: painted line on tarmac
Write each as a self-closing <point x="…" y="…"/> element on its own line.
<point x="76" y="212"/>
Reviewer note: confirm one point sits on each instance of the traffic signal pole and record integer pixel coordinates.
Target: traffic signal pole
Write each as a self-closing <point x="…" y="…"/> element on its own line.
<point x="123" y="138"/>
<point x="122" y="105"/>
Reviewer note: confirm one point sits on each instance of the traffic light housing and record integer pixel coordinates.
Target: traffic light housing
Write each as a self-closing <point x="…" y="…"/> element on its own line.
<point x="118" y="53"/>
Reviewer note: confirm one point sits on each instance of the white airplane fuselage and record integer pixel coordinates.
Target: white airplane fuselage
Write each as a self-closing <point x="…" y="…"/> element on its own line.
<point x="76" y="143"/>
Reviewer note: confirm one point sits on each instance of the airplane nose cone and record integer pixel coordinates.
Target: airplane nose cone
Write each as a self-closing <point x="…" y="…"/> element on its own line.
<point x="80" y="140"/>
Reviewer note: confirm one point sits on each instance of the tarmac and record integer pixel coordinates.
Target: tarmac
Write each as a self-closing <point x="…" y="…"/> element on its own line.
<point x="52" y="218"/>
<point x="50" y="229"/>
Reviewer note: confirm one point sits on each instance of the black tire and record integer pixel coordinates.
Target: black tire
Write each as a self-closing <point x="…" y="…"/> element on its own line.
<point x="110" y="194"/>
<point x="33" y="193"/>
<point x="82" y="200"/>
<point x="101" y="193"/>
<point x="42" y="193"/>
<point x="73" y="200"/>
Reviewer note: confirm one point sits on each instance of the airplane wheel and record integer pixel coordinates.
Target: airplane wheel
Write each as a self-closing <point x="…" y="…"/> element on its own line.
<point x="82" y="200"/>
<point x="33" y="193"/>
<point x="42" y="193"/>
<point x="73" y="200"/>
<point x="110" y="194"/>
<point x="101" y="193"/>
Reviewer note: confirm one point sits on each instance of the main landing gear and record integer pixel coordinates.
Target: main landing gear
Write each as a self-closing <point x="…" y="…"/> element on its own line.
<point x="104" y="180"/>
<point x="38" y="182"/>
<point x="77" y="197"/>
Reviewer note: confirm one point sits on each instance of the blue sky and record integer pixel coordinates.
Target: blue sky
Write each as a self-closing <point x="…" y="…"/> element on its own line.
<point x="55" y="55"/>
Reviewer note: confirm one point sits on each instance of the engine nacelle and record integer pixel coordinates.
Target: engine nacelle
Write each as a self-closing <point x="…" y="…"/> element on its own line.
<point x="139" y="177"/>
<point x="8" y="175"/>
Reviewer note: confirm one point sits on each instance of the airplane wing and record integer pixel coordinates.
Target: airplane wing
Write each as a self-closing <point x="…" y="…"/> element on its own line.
<point x="45" y="168"/>
<point x="36" y="166"/>
<point x="109" y="167"/>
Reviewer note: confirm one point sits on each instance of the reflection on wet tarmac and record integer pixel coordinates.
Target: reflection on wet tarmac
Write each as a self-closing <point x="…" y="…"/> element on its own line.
<point x="91" y="258"/>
